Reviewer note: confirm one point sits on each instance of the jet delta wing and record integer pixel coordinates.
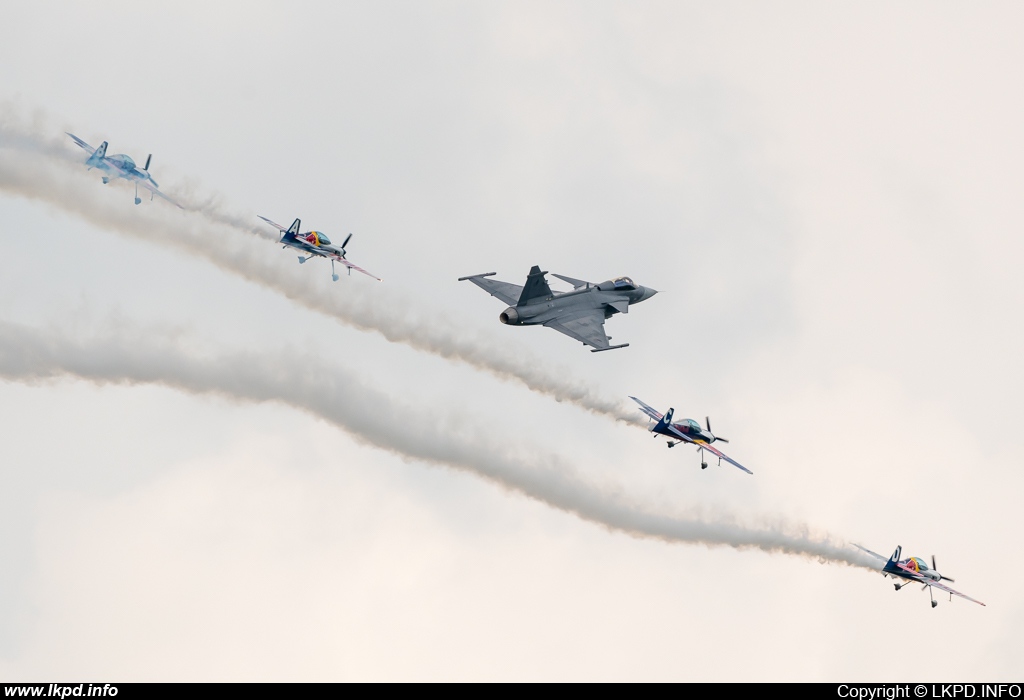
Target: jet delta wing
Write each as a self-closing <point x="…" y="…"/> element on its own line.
<point x="506" y="291"/>
<point x="587" y="327"/>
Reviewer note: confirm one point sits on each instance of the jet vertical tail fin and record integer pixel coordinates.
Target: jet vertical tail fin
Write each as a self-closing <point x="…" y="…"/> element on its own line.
<point x="536" y="286"/>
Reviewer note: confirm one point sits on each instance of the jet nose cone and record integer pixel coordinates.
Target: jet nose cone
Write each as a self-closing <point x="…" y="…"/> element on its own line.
<point x="646" y="293"/>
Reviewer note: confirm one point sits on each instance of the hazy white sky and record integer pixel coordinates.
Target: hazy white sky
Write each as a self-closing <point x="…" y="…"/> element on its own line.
<point x="827" y="196"/>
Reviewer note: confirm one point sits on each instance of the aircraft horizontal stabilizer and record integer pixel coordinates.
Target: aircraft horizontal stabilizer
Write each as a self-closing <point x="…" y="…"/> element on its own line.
<point x="484" y="274"/>
<point x="611" y="347"/>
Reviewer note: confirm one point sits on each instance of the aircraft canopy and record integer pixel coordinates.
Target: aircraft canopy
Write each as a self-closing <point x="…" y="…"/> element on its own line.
<point x="623" y="283"/>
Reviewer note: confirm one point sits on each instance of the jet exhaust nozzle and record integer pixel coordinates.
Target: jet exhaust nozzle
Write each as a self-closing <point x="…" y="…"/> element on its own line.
<point x="510" y="317"/>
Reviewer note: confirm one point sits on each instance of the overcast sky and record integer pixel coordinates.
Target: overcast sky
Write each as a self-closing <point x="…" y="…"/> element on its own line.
<point x="827" y="197"/>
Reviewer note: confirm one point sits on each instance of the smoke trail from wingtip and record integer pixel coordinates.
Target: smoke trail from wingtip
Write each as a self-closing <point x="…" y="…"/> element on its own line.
<point x="397" y="318"/>
<point x="341" y="398"/>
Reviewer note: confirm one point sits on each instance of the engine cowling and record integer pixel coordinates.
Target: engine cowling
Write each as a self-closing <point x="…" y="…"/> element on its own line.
<point x="510" y="317"/>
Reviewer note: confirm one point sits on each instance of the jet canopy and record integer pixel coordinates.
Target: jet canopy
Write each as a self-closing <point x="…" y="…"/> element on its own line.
<point x="692" y="424"/>
<point x="126" y="161"/>
<point x="623" y="283"/>
<point x="318" y="238"/>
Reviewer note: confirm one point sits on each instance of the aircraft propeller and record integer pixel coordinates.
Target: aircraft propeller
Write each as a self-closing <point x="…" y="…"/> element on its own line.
<point x="936" y="570"/>
<point x="707" y="422"/>
<point x="347" y="238"/>
<point x="148" y="158"/>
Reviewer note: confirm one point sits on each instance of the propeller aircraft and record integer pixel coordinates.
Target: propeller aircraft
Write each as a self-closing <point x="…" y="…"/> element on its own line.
<point x="121" y="166"/>
<point x="688" y="431"/>
<point x="316" y="244"/>
<point x="915" y="570"/>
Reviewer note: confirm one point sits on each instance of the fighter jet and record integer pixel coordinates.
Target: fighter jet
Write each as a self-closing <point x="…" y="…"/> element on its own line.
<point x="121" y="166"/>
<point x="915" y="570"/>
<point x="316" y="244"/>
<point x="579" y="314"/>
<point x="688" y="431"/>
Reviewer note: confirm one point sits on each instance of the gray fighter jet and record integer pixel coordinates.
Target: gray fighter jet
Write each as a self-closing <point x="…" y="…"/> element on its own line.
<point x="579" y="314"/>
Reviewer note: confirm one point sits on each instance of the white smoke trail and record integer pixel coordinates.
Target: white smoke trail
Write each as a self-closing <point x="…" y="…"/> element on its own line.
<point x="29" y="169"/>
<point x="341" y="398"/>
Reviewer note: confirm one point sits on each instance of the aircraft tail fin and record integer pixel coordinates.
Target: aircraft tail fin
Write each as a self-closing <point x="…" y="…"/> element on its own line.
<point x="536" y="286"/>
<point x="896" y="555"/>
<point x="293" y="231"/>
<point x="97" y="156"/>
<point x="666" y="420"/>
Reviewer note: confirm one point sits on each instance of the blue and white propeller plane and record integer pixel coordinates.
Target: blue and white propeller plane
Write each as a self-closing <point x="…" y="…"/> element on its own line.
<point x="121" y="166"/>
<point x="915" y="570"/>
<point x="315" y="243"/>
<point x="688" y="431"/>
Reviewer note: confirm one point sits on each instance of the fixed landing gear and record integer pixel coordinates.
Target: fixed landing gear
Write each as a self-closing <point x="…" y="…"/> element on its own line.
<point x="931" y="594"/>
<point x="137" y="200"/>
<point x="334" y="275"/>
<point x="106" y="180"/>
<point x="703" y="465"/>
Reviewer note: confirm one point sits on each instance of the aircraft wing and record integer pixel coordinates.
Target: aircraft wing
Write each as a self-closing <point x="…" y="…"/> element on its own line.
<point x="651" y="413"/>
<point x="506" y="291"/>
<point x="587" y="327"/>
<point x="876" y="555"/>
<point x="155" y="190"/>
<point x="937" y="584"/>
<point x="82" y="144"/>
<point x="713" y="450"/>
<point x="346" y="263"/>
<point x="279" y="227"/>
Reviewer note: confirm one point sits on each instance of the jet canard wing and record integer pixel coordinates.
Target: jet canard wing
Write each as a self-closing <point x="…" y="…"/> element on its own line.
<point x="586" y="327"/>
<point x="576" y="284"/>
<point x="506" y="291"/>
